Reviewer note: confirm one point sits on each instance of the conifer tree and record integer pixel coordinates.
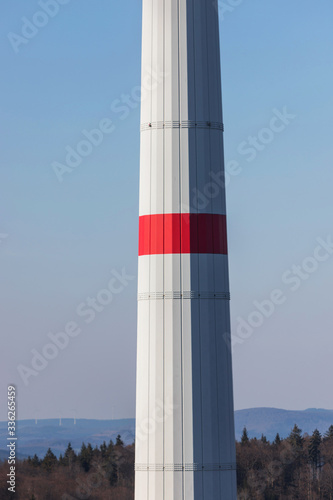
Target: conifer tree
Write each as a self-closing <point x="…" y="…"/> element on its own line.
<point x="263" y="439"/>
<point x="111" y="464"/>
<point x="103" y="448"/>
<point x="295" y="438"/>
<point x="245" y="437"/>
<point x="35" y="461"/>
<point x="85" y="456"/>
<point x="277" y="439"/>
<point x="314" y="448"/>
<point x="329" y="434"/>
<point x="119" y="441"/>
<point x="70" y="456"/>
<point x="49" y="461"/>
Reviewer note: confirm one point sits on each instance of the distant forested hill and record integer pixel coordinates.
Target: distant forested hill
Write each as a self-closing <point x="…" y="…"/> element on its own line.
<point x="37" y="438"/>
<point x="269" y="421"/>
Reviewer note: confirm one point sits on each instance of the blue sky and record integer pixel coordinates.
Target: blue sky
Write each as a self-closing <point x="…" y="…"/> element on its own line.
<point x="60" y="242"/>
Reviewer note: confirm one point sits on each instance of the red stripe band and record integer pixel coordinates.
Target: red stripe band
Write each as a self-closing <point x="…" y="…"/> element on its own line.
<point x="182" y="233"/>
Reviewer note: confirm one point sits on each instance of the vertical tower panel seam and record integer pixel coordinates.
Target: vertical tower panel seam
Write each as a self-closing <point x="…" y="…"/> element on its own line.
<point x="180" y="258"/>
<point x="150" y="259"/>
<point x="196" y="186"/>
<point x="214" y="258"/>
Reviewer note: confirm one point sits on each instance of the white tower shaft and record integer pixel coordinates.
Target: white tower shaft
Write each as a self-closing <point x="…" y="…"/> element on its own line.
<point x="185" y="441"/>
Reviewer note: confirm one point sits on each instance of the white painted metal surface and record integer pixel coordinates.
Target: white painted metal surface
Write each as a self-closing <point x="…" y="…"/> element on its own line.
<point x="185" y="447"/>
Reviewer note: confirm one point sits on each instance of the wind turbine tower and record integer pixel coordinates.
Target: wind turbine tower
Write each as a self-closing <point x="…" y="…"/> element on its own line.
<point x="185" y="438"/>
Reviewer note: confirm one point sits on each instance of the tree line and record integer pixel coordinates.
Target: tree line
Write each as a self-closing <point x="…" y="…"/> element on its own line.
<point x="297" y="467"/>
<point x="101" y="473"/>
